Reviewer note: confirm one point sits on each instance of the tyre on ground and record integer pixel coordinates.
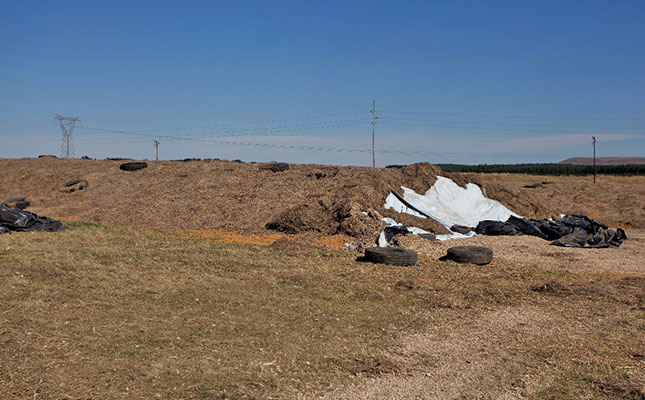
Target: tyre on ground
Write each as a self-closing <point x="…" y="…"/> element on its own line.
<point x="391" y="255"/>
<point x="469" y="254"/>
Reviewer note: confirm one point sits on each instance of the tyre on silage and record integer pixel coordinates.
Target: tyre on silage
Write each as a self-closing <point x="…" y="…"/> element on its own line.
<point x="391" y="255"/>
<point x="275" y="167"/>
<point x="74" y="185"/>
<point x="133" y="166"/>
<point x="19" y="203"/>
<point x="469" y="254"/>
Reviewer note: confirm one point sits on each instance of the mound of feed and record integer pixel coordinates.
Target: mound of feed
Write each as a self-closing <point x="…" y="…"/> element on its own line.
<point x="612" y="200"/>
<point x="320" y="199"/>
<point x="218" y="195"/>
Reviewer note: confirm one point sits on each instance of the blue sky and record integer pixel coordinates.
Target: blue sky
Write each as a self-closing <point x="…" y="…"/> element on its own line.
<point x="459" y="81"/>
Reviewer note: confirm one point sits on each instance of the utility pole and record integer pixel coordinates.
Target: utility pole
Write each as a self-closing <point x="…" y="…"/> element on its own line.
<point x="373" y="129"/>
<point x="593" y="140"/>
<point x="156" y="151"/>
<point x="67" y="126"/>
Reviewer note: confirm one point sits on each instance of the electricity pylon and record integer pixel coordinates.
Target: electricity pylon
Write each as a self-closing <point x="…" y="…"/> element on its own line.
<point x="67" y="125"/>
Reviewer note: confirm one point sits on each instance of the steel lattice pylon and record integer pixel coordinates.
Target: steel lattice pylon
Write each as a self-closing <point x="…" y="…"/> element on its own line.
<point x="67" y="125"/>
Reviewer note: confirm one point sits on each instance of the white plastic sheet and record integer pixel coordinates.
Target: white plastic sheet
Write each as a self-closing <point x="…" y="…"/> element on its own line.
<point x="449" y="204"/>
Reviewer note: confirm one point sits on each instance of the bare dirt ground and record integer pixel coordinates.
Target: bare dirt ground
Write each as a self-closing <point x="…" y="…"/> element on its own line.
<point x="507" y="352"/>
<point x="533" y="252"/>
<point x="186" y="310"/>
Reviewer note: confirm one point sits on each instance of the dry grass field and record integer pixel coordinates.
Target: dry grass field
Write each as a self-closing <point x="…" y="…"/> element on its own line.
<point x="108" y="312"/>
<point x="189" y="311"/>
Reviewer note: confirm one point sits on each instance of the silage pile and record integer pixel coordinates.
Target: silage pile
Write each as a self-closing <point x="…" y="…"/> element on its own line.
<point x="316" y="199"/>
<point x="217" y="195"/>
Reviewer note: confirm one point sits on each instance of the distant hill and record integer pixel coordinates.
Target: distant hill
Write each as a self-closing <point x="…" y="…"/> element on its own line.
<point x="603" y="160"/>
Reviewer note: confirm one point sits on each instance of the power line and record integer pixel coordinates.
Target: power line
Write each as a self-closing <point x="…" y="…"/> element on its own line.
<point x="265" y="145"/>
<point x="321" y="148"/>
<point x="288" y="128"/>
<point x="341" y="150"/>
<point x="233" y="133"/>
<point x="249" y="123"/>
<point x="21" y="125"/>
<point x="511" y="124"/>
<point x="514" y="116"/>
<point x="483" y="128"/>
<point x="86" y="141"/>
<point x="210" y="140"/>
<point x="325" y="122"/>
<point x="338" y="149"/>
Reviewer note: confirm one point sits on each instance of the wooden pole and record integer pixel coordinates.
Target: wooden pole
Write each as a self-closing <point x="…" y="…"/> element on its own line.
<point x="594" y="158"/>
<point x="373" y="129"/>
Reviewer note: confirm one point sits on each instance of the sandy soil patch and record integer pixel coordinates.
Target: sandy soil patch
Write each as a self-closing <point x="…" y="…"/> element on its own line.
<point x="533" y="252"/>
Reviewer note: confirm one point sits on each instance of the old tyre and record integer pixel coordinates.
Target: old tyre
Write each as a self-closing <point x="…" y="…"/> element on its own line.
<point x="461" y="229"/>
<point x="390" y="255"/>
<point x="19" y="203"/>
<point x="133" y="166"/>
<point x="470" y="254"/>
<point x="275" y="167"/>
<point x="74" y="185"/>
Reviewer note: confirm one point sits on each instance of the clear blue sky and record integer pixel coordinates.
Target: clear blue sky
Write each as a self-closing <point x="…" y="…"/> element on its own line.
<point x="451" y="79"/>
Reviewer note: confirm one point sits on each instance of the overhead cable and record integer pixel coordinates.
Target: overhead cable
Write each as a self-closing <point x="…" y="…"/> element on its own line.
<point x="513" y="116"/>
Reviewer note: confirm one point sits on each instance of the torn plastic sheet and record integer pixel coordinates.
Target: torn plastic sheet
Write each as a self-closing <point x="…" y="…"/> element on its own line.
<point x="393" y="228"/>
<point x="12" y="219"/>
<point x="571" y="231"/>
<point x="447" y="203"/>
<point x="450" y="204"/>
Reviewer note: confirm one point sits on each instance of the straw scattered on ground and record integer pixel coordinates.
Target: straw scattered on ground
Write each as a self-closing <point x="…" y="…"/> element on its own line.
<point x="108" y="312"/>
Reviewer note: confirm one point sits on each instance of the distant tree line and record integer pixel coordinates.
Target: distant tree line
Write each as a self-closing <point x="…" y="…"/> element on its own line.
<point x="542" y="169"/>
<point x="546" y="169"/>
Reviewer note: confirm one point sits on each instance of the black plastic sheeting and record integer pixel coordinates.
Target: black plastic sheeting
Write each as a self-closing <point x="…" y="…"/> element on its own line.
<point x="12" y="219"/>
<point x="571" y="231"/>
